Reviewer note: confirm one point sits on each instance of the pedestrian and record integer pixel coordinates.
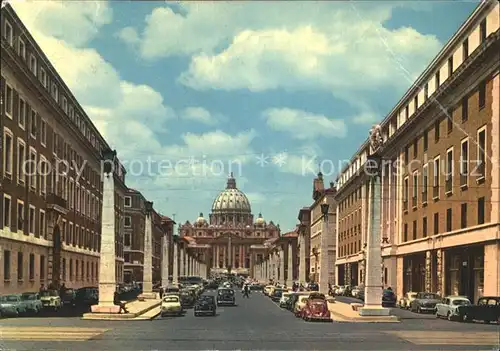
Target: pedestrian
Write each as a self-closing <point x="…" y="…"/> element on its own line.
<point x="117" y="302"/>
<point x="162" y="291"/>
<point x="246" y="290"/>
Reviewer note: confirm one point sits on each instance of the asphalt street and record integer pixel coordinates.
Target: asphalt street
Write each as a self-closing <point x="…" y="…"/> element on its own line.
<point x="255" y="324"/>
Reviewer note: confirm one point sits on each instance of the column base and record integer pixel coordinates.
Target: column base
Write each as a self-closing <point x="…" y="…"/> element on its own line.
<point x="374" y="311"/>
<point x="148" y="296"/>
<point x="105" y="309"/>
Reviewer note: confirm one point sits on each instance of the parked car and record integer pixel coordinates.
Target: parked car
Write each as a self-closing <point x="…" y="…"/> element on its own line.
<point x="487" y="309"/>
<point x="284" y="298"/>
<point x="188" y="298"/>
<point x="276" y="296"/>
<point x="86" y="297"/>
<point x="405" y="302"/>
<point x="51" y="299"/>
<point x="448" y="307"/>
<point x="388" y="298"/>
<point x="171" y="305"/>
<point x="11" y="305"/>
<point x="299" y="304"/>
<point x="316" y="308"/>
<point x="32" y="302"/>
<point x="267" y="289"/>
<point x="425" y="302"/>
<point x="68" y="298"/>
<point x="356" y="291"/>
<point x="225" y="296"/>
<point x="293" y="298"/>
<point x="205" y="306"/>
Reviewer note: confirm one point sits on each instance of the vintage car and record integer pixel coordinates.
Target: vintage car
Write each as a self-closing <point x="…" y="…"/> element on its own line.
<point x="299" y="305"/>
<point x="32" y="302"/>
<point x="487" y="310"/>
<point x="448" y="307"/>
<point x="357" y="291"/>
<point x="86" y="297"/>
<point x="425" y="302"/>
<point x="293" y="298"/>
<point x="284" y="298"/>
<point x="68" y="298"/>
<point x="50" y="299"/>
<point x="225" y="296"/>
<point x="188" y="298"/>
<point x="405" y="302"/>
<point x="171" y="289"/>
<point x="171" y="305"/>
<point x="316" y="308"/>
<point x="276" y="296"/>
<point x="12" y="305"/>
<point x="205" y="305"/>
<point x="267" y="289"/>
<point x="388" y="298"/>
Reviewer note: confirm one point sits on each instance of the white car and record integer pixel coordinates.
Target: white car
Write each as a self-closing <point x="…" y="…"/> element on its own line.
<point x="171" y="305"/>
<point x="449" y="306"/>
<point x="406" y="301"/>
<point x="284" y="298"/>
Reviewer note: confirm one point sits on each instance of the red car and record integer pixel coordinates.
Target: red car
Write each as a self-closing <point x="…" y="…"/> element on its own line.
<point x="316" y="309"/>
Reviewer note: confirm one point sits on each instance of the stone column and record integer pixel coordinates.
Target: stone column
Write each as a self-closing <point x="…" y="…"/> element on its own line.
<point x="183" y="262"/>
<point x="164" y="261"/>
<point x="175" y="273"/>
<point x="107" y="264"/>
<point x="302" y="264"/>
<point x="282" y="266"/>
<point x="373" y="287"/>
<point x="147" y="278"/>
<point x="289" y="271"/>
<point x="323" y="259"/>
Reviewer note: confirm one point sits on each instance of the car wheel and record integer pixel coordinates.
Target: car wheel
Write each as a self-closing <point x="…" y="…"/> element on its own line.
<point x="449" y="316"/>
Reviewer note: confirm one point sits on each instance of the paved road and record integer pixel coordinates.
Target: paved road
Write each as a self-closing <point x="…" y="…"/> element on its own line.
<point x="255" y="324"/>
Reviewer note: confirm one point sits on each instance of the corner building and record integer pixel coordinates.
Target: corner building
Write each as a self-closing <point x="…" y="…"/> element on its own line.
<point x="440" y="214"/>
<point x="50" y="221"/>
<point x="230" y="240"/>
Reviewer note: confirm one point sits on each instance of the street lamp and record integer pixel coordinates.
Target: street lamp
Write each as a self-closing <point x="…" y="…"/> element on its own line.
<point x="108" y="157"/>
<point x="149" y="207"/>
<point x="324" y="209"/>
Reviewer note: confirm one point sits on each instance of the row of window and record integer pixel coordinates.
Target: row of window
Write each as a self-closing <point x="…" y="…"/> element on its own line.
<point x="25" y="219"/>
<point x="349" y="249"/>
<point x="52" y="86"/>
<point x="417" y="102"/>
<point x="449" y="221"/>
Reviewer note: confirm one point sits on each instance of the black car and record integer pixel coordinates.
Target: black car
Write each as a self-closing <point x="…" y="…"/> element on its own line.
<point x="487" y="309"/>
<point x="205" y="306"/>
<point x="225" y="296"/>
<point x="388" y="298"/>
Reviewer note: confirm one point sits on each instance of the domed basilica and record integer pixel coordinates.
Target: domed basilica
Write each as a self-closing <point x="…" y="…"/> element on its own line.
<point x="230" y="239"/>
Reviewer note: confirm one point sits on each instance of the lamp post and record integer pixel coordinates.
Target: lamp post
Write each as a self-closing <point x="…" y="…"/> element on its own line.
<point x="373" y="286"/>
<point x="324" y="255"/>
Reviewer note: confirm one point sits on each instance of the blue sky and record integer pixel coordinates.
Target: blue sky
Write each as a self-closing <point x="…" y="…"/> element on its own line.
<point x="231" y="82"/>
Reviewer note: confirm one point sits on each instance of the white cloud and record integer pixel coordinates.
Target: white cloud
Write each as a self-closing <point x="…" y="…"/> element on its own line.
<point x="198" y="114"/>
<point x="302" y="124"/>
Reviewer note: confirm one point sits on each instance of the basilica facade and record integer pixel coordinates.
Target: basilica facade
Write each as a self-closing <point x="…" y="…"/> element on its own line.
<point x="230" y="239"/>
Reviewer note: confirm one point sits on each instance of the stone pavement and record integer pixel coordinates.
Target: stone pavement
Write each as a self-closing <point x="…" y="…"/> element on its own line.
<point x="344" y="313"/>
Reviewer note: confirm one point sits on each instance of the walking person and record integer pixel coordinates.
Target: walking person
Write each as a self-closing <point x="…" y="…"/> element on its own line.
<point x="117" y="302"/>
<point x="246" y="290"/>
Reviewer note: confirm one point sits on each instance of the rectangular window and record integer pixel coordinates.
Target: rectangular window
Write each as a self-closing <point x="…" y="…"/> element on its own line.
<point x="42" y="267"/>
<point x="126" y="240"/>
<point x="406" y="155"/>
<point x="33" y="124"/>
<point x="415" y="148"/>
<point x="6" y="265"/>
<point x="20" y="268"/>
<point x="426" y="140"/>
<point x="32" y="219"/>
<point x="20" y="216"/>
<point x="415" y="189"/>
<point x="32" y="176"/>
<point x="464" y="162"/>
<point x="449" y="120"/>
<point x="436" y="223"/>
<point x="128" y="201"/>
<point x="21" y="161"/>
<point x="482" y="95"/>
<point x="463" y="216"/>
<point x="43" y="132"/>
<point x="405" y="232"/>
<point x="449" y="220"/>
<point x="22" y="114"/>
<point x="482" y="30"/>
<point x="42" y="223"/>
<point x="43" y="78"/>
<point x="33" y="66"/>
<point x="438" y="80"/>
<point x="21" y="49"/>
<point x="481" y="153"/>
<point x="414" y="232"/>
<point x="9" y="100"/>
<point x="436" y="174"/>
<point x="450" y="66"/>
<point x="31" y="271"/>
<point x="425" y="182"/>
<point x="424" y="227"/>
<point x="405" y="194"/>
<point x="449" y="171"/>
<point x="465" y="48"/>
<point x="55" y="92"/>
<point x="128" y="221"/>
<point x="465" y="108"/>
<point x="407" y="112"/>
<point x="415" y="102"/>
<point x="8" y="33"/>
<point x="43" y="176"/>
<point x="426" y="91"/>
<point x="480" y="210"/>
<point x="7" y="211"/>
<point x="65" y="104"/>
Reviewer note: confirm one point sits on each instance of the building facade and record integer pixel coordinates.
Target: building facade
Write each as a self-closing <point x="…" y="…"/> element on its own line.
<point x="320" y="195"/>
<point x="440" y="192"/>
<point x="134" y="235"/>
<point x="230" y="239"/>
<point x="50" y="172"/>
<point x="304" y="244"/>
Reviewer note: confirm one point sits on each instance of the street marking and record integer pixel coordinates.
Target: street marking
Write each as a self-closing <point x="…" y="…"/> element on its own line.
<point x="50" y="333"/>
<point x="448" y="338"/>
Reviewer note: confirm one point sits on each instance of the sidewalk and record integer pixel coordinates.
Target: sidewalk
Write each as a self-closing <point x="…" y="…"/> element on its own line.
<point x="138" y="310"/>
<point x="344" y="313"/>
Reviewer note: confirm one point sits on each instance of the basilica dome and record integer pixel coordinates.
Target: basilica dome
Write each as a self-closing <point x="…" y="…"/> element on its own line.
<point x="231" y="199"/>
